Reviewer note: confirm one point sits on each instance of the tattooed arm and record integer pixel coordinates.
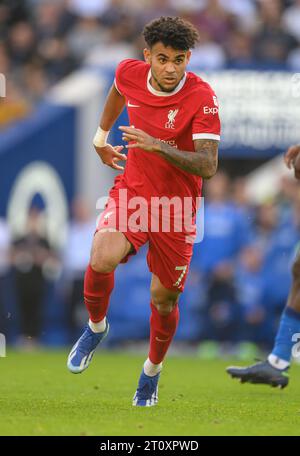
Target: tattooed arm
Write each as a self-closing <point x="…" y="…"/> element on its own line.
<point x="203" y="162"/>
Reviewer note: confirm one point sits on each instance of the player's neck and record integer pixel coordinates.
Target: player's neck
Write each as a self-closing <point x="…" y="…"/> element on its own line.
<point x="156" y="86"/>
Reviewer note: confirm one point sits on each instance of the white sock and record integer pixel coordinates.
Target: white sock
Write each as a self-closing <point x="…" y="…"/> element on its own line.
<point x="278" y="363"/>
<point x="98" y="327"/>
<point x="151" y="369"/>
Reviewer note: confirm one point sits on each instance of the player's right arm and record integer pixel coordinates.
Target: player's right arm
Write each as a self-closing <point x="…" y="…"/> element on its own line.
<point x="113" y="107"/>
<point x="292" y="159"/>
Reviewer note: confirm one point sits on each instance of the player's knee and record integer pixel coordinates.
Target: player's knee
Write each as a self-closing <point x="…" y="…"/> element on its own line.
<point x="105" y="255"/>
<point x="102" y="263"/>
<point x="164" y="303"/>
<point x="164" y="308"/>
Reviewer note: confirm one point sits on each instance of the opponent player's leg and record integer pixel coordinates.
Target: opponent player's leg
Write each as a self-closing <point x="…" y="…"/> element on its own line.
<point x="163" y="324"/>
<point x="108" y="249"/>
<point x="273" y="371"/>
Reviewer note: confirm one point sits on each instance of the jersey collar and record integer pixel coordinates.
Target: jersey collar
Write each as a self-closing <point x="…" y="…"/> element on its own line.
<point x="158" y="93"/>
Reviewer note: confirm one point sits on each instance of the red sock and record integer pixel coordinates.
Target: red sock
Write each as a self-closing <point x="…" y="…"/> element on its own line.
<point x="97" y="290"/>
<point x="162" y="330"/>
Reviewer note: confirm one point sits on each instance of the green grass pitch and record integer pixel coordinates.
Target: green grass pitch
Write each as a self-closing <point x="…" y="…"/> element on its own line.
<point x="40" y="397"/>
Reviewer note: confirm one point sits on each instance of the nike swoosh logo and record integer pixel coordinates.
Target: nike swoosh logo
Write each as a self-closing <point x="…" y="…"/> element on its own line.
<point x="132" y="105"/>
<point x="107" y="215"/>
<point x="161" y="340"/>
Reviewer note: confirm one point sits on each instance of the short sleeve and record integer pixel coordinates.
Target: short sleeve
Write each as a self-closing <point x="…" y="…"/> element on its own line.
<point x="206" y="122"/>
<point x="121" y="75"/>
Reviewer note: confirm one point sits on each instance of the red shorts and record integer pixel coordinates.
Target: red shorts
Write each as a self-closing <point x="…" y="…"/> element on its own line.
<point x="169" y="253"/>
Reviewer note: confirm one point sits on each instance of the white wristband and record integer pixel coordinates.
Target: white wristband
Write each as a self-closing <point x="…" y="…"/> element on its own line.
<point x="100" y="137"/>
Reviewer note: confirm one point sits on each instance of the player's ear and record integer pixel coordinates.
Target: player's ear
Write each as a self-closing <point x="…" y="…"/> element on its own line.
<point x="188" y="56"/>
<point x="147" y="55"/>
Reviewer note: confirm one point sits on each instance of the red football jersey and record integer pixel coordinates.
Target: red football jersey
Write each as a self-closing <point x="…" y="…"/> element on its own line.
<point x="189" y="112"/>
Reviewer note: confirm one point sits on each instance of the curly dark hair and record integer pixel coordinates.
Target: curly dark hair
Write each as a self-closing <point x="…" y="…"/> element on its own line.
<point x="171" y="31"/>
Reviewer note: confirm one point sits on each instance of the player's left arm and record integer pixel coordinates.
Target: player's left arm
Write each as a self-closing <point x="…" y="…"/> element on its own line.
<point x="202" y="162"/>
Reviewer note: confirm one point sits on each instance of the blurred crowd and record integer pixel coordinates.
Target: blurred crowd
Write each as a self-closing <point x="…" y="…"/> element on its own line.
<point x="42" y="41"/>
<point x="237" y="287"/>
